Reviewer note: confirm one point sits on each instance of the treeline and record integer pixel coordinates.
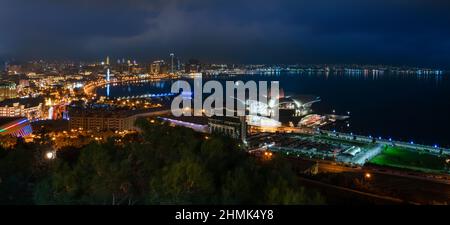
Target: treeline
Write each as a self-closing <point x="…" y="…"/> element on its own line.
<point x="168" y="165"/>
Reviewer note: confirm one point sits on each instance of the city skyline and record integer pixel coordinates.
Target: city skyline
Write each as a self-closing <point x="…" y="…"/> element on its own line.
<point x="411" y="33"/>
<point x="246" y="104"/>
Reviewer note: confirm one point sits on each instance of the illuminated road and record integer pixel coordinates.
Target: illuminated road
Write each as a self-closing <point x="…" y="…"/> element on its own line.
<point x="331" y="168"/>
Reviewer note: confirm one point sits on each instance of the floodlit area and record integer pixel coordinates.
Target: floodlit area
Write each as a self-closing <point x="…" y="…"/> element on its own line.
<point x="398" y="157"/>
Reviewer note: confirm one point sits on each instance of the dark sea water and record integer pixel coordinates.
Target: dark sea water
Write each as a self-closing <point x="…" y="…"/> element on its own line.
<point x="402" y="107"/>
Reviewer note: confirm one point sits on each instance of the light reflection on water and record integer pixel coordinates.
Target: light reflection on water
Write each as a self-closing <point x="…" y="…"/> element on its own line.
<point x="400" y="106"/>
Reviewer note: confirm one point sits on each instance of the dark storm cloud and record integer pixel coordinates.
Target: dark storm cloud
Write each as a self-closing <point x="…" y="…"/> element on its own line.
<point x="51" y="28"/>
<point x="321" y="31"/>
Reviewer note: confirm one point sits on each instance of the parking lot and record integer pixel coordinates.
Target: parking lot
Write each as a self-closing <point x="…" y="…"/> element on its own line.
<point x="315" y="146"/>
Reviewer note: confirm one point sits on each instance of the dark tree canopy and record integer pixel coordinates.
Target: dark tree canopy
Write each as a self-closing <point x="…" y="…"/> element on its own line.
<point x="172" y="165"/>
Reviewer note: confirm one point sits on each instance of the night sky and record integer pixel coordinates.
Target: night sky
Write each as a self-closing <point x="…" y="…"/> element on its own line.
<point x="396" y="32"/>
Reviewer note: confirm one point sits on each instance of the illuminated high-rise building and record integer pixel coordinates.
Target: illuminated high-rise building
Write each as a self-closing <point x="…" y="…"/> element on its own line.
<point x="107" y="75"/>
<point x="158" y="67"/>
<point x="193" y="66"/>
<point x="15" y="126"/>
<point x="107" y="60"/>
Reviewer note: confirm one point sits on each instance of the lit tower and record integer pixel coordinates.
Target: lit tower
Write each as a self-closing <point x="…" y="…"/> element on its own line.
<point x="107" y="75"/>
<point x="106" y="67"/>
<point x="171" y="63"/>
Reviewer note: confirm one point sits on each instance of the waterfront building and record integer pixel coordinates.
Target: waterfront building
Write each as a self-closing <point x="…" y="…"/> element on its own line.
<point x="234" y="127"/>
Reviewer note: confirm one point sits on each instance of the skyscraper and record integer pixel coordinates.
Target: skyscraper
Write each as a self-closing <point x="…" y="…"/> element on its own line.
<point x="7" y="90"/>
<point x="107" y="60"/>
<point x="4" y="71"/>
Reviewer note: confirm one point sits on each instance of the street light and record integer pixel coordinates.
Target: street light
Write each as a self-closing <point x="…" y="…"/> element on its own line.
<point x="50" y="155"/>
<point x="268" y="155"/>
<point x="367" y="175"/>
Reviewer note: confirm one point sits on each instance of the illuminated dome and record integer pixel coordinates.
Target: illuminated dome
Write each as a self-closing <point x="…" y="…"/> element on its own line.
<point x="301" y="105"/>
